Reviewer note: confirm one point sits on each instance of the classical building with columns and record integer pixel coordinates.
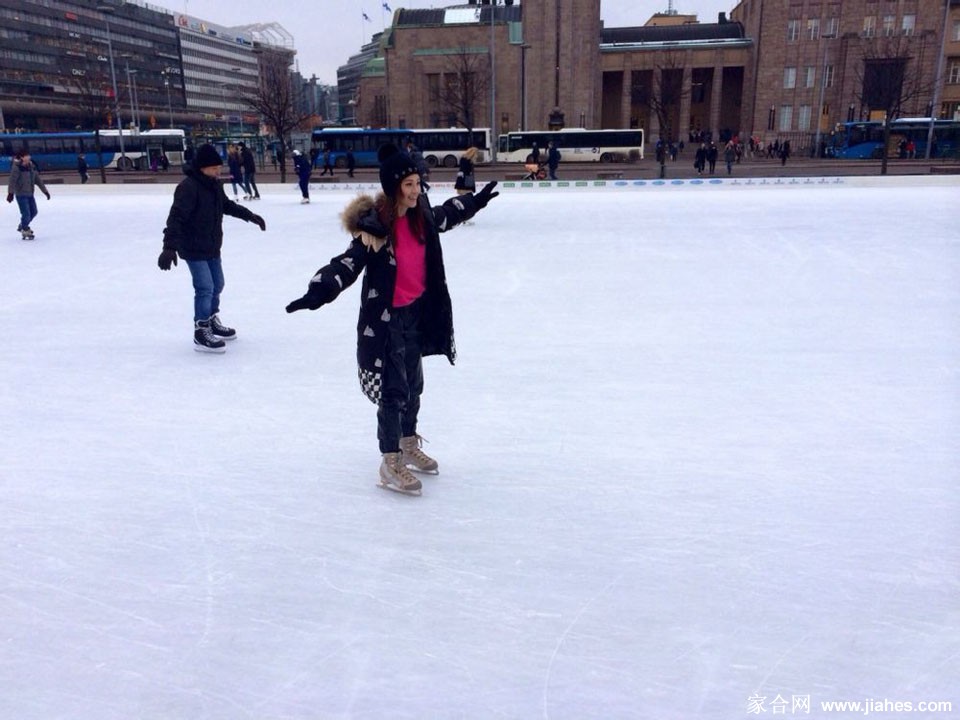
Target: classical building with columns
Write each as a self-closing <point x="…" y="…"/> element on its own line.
<point x="555" y="65"/>
<point x="775" y="69"/>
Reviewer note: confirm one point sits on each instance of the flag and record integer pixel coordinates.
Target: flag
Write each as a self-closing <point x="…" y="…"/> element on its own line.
<point x="365" y="16"/>
<point x="387" y="8"/>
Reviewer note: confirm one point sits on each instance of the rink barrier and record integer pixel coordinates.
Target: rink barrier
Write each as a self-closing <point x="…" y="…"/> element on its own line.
<point x="446" y="188"/>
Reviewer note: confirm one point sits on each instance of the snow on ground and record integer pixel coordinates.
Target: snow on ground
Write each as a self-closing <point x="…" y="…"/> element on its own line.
<point x="700" y="446"/>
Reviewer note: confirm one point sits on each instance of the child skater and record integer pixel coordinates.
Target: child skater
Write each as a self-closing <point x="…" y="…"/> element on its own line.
<point x="405" y="309"/>
<point x="195" y="231"/>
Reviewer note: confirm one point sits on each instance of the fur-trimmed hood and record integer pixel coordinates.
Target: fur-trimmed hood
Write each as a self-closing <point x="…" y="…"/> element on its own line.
<point x="359" y="218"/>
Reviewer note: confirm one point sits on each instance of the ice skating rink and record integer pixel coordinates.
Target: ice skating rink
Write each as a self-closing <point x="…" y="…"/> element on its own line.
<point x="700" y="451"/>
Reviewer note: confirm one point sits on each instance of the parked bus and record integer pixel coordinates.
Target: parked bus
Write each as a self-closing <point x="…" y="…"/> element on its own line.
<point x="58" y="151"/>
<point x="575" y="145"/>
<point x="864" y="140"/>
<point x="439" y="146"/>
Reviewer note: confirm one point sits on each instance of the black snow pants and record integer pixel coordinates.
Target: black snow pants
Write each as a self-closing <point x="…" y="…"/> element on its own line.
<point x="402" y="379"/>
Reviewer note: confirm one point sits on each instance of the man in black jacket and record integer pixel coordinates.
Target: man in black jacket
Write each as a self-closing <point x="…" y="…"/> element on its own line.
<point x="195" y="231"/>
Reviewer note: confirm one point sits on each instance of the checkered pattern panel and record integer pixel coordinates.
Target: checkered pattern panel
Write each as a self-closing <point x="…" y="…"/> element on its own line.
<point x="370" y="383"/>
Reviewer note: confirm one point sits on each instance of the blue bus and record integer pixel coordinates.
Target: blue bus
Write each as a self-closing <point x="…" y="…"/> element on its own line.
<point x="58" y="151"/>
<point x="441" y="147"/>
<point x="864" y="140"/>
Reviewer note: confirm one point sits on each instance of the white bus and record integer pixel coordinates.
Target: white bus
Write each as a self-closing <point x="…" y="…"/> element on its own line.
<point x="142" y="150"/>
<point x="574" y="144"/>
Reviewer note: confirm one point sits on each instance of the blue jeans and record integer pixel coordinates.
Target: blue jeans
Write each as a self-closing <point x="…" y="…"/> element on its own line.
<point x="28" y="210"/>
<point x="207" y="286"/>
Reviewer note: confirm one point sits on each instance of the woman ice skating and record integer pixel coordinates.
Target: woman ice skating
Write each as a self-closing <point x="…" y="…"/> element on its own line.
<point x="466" y="182"/>
<point x="24" y="178"/>
<point x="195" y="232"/>
<point x="303" y="168"/>
<point x="405" y="308"/>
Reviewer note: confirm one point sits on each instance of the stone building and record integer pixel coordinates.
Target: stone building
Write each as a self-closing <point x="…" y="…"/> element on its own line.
<point x="823" y="62"/>
<point x="761" y="73"/>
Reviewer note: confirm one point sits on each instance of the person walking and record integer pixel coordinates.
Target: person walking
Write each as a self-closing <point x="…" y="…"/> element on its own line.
<point x="405" y="308"/>
<point x="24" y="179"/>
<point x="303" y="166"/>
<point x="730" y="156"/>
<point x="351" y="162"/>
<point x="327" y="162"/>
<point x="235" y="168"/>
<point x="249" y="172"/>
<point x="713" y="154"/>
<point x="82" y="168"/>
<point x="700" y="159"/>
<point x="194" y="231"/>
<point x="553" y="159"/>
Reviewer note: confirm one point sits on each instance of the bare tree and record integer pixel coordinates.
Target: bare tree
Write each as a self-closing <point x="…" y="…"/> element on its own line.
<point x="892" y="79"/>
<point x="275" y="100"/>
<point x="661" y="95"/>
<point x="466" y="82"/>
<point x="94" y="105"/>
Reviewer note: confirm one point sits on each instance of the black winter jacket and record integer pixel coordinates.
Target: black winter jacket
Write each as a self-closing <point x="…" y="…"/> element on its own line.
<point x="371" y="253"/>
<point x="195" y="223"/>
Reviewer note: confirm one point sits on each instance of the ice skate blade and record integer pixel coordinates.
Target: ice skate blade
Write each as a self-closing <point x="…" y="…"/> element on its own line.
<point x="415" y="469"/>
<point x="399" y="491"/>
<point x="204" y="349"/>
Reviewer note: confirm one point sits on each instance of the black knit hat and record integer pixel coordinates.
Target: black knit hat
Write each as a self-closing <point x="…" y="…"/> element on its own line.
<point x="394" y="167"/>
<point x="207" y="156"/>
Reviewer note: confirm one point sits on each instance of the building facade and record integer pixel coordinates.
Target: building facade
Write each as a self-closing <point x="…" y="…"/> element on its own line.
<point x="56" y="64"/>
<point x="823" y="62"/>
<point x="60" y="59"/>
<point x="775" y="69"/>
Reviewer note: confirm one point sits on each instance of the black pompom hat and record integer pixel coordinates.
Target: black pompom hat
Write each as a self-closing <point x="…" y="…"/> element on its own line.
<point x="207" y="156"/>
<point x="394" y="167"/>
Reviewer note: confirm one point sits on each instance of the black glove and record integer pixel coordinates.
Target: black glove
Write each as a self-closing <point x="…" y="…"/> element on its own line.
<point x="47" y="194"/>
<point x="259" y="221"/>
<point x="9" y="197"/>
<point x="166" y="259"/>
<point x="315" y="298"/>
<point x="486" y="194"/>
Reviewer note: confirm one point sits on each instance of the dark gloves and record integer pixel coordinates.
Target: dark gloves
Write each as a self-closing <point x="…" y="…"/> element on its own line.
<point x="486" y="194"/>
<point x="259" y="221"/>
<point x="9" y="197"/>
<point x="45" y="192"/>
<point x="315" y="298"/>
<point x="167" y="259"/>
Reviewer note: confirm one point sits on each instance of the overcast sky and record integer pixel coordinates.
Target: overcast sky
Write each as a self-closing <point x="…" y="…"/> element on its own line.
<point x="327" y="32"/>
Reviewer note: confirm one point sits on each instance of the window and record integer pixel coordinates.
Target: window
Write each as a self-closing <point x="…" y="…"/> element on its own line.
<point x="909" y="24"/>
<point x="953" y="74"/>
<point x="869" y="26"/>
<point x="813" y="28"/>
<point x="789" y="78"/>
<point x="803" y="119"/>
<point x="828" y="76"/>
<point x="810" y="76"/>
<point x="955" y="37"/>
<point x="889" y="25"/>
<point x="833" y="27"/>
<point x="793" y="30"/>
<point x="786" y="118"/>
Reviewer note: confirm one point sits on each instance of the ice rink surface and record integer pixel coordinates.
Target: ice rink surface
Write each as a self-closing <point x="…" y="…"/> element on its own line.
<point x="701" y="447"/>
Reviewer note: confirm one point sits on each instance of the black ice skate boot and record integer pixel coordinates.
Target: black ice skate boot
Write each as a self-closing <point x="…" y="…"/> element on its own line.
<point x="220" y="330"/>
<point x="204" y="341"/>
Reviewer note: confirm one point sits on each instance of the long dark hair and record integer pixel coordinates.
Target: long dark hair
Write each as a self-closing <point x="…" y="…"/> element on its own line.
<point x="387" y="212"/>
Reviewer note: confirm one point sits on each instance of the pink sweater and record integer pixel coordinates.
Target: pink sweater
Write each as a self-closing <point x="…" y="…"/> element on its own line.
<point x="411" y="257"/>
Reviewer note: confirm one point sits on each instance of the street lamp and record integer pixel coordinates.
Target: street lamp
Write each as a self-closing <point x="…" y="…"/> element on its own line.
<point x="134" y="115"/>
<point x="107" y="12"/>
<point x="166" y="84"/>
<point x="523" y="85"/>
<point x="823" y="88"/>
